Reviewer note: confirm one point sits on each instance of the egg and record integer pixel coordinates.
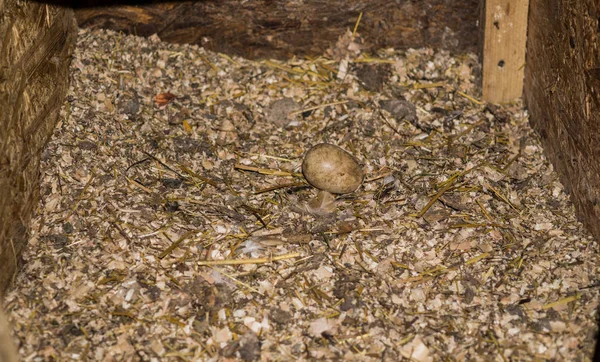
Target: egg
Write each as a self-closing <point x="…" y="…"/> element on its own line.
<point x="329" y="168"/>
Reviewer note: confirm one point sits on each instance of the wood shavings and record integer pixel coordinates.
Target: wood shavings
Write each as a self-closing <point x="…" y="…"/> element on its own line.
<point x="182" y="229"/>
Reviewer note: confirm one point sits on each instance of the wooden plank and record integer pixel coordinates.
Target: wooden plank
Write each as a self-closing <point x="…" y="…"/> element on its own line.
<point x="562" y="94"/>
<point x="283" y="29"/>
<point x="8" y="352"/>
<point x="505" y="35"/>
<point x="35" y="48"/>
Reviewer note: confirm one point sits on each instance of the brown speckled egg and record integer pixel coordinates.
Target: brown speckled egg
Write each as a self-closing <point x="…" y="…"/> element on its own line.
<point x="330" y="168"/>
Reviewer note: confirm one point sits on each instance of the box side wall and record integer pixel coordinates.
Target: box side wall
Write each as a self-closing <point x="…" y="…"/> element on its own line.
<point x="283" y="29"/>
<point x="35" y="48"/>
<point x="562" y="93"/>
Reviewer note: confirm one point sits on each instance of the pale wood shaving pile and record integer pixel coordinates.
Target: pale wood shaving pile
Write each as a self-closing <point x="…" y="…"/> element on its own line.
<point x="175" y="224"/>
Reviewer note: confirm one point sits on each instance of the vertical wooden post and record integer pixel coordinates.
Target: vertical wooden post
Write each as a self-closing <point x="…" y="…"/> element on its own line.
<point x="504" y="43"/>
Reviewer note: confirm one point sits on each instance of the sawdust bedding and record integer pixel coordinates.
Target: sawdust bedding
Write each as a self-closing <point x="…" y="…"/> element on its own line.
<point x="175" y="223"/>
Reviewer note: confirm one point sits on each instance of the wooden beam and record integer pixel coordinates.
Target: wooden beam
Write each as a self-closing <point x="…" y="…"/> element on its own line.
<point x="505" y="35"/>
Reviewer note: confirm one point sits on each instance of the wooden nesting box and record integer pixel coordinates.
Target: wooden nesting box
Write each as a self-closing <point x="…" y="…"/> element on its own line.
<point x="559" y="74"/>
